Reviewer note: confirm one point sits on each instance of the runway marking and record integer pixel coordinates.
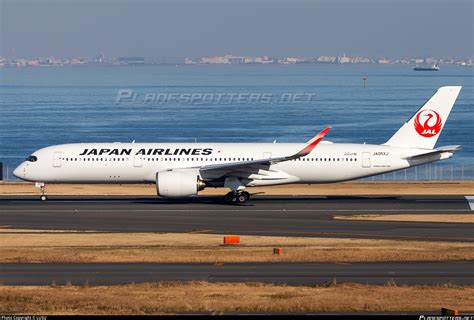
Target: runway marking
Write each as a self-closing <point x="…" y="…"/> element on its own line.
<point x="237" y="210"/>
<point x="439" y="200"/>
<point x="201" y="231"/>
<point x="470" y="200"/>
<point x="149" y="201"/>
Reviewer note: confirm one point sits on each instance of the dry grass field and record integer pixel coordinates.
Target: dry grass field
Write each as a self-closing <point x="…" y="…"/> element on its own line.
<point x="442" y="218"/>
<point x="345" y="188"/>
<point x="64" y="246"/>
<point x="195" y="297"/>
<point x="43" y="246"/>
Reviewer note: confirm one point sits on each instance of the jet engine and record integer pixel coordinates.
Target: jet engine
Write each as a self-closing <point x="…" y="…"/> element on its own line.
<point x="178" y="184"/>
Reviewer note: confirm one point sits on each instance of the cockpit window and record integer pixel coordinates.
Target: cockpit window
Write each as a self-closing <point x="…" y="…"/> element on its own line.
<point x="32" y="159"/>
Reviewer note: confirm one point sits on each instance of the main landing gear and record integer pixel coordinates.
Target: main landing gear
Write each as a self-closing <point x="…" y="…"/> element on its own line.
<point x="237" y="197"/>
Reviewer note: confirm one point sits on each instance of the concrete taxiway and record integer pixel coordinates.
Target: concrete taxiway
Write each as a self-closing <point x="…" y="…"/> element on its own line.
<point x="262" y="215"/>
<point x="461" y="273"/>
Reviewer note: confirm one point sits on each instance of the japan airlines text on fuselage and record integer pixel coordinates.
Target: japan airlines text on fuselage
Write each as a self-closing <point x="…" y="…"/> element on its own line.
<point x="181" y="169"/>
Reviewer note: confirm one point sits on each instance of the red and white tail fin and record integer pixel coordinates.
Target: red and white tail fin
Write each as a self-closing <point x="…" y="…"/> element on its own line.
<point x="424" y="128"/>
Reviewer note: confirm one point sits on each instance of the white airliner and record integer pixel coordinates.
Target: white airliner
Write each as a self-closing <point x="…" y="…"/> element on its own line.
<point x="183" y="169"/>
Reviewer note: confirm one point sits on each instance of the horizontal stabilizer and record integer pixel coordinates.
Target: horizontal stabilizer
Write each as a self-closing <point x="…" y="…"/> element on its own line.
<point x="449" y="149"/>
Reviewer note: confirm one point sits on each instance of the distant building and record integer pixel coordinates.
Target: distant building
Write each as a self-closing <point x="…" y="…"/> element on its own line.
<point x="33" y="63"/>
<point x="284" y="61"/>
<point x="131" y="60"/>
<point x="291" y="60"/>
<point x="76" y="61"/>
<point x="235" y="60"/>
<point x="189" y="61"/>
<point x="402" y="61"/>
<point x="100" y="58"/>
<point x="469" y="63"/>
<point x="384" y="61"/>
<point x="215" y="60"/>
<point x="259" y="60"/>
<point x="326" y="59"/>
<point x="48" y="61"/>
<point x="266" y="60"/>
<point x="231" y="59"/>
<point x="343" y="59"/>
<point x="360" y="60"/>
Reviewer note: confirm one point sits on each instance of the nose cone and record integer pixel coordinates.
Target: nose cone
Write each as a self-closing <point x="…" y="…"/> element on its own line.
<point x="19" y="171"/>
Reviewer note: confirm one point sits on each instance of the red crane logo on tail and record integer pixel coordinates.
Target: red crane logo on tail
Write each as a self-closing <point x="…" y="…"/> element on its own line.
<point x="428" y="123"/>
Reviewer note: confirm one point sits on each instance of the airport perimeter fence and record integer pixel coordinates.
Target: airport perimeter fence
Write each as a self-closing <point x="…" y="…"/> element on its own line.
<point x="428" y="172"/>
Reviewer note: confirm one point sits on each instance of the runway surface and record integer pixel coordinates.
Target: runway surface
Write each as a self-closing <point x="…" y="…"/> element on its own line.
<point x="277" y="216"/>
<point x="461" y="273"/>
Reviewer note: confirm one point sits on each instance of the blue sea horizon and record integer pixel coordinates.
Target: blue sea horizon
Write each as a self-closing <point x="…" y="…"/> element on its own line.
<point x="258" y="103"/>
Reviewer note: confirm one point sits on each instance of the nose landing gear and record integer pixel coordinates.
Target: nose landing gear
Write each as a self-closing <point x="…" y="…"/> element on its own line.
<point x="237" y="197"/>
<point x="41" y="187"/>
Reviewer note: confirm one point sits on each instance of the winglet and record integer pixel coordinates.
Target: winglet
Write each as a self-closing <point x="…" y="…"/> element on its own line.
<point x="312" y="143"/>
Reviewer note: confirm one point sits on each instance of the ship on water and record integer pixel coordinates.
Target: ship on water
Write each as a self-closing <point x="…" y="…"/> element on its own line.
<point x="433" y="67"/>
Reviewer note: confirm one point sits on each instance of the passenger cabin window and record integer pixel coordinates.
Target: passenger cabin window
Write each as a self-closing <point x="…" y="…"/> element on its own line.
<point x="32" y="159"/>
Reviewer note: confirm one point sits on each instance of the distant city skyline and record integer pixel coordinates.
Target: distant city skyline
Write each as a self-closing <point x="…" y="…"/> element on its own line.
<point x="230" y="59"/>
<point x="102" y="56"/>
<point x="167" y="30"/>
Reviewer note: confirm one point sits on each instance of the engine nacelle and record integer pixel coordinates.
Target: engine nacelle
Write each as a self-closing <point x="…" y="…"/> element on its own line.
<point x="178" y="184"/>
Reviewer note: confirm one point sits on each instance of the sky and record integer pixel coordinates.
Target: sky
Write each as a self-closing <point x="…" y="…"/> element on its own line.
<point x="187" y="28"/>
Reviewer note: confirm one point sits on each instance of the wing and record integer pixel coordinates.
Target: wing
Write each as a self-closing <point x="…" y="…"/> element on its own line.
<point x="252" y="164"/>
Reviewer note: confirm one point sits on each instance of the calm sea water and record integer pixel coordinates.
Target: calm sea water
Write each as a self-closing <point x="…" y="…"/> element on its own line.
<point x="45" y="106"/>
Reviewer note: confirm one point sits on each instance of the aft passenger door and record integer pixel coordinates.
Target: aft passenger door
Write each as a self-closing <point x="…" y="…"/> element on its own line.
<point x="365" y="159"/>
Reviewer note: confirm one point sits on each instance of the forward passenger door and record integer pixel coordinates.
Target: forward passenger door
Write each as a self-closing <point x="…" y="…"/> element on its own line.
<point x="57" y="159"/>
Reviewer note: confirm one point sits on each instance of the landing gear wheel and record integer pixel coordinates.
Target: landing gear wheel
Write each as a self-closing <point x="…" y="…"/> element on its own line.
<point x="243" y="197"/>
<point x="43" y="197"/>
<point x="229" y="197"/>
<point x="236" y="197"/>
